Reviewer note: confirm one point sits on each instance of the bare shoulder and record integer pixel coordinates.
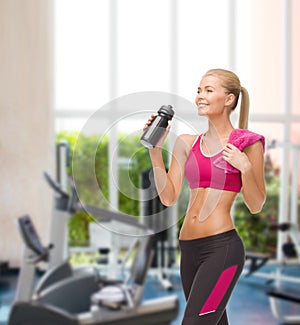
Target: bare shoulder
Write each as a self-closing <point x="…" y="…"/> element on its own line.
<point x="188" y="139"/>
<point x="184" y="142"/>
<point x="256" y="147"/>
<point x="255" y="153"/>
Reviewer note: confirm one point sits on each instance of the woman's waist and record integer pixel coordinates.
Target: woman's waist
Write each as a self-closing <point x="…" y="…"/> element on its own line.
<point x="197" y="225"/>
<point x="208" y="212"/>
<point x="211" y="241"/>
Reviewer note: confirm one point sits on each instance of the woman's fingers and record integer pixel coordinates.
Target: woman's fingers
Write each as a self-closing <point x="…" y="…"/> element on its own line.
<point x="151" y="118"/>
<point x="234" y="156"/>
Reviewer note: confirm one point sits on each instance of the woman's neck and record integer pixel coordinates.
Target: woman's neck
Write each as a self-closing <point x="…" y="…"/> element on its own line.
<point x="220" y="131"/>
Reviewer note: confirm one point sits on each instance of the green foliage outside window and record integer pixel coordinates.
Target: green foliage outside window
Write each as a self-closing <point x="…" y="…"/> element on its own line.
<point x="133" y="159"/>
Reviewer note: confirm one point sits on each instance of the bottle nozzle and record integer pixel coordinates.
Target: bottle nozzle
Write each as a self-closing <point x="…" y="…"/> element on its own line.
<point x="167" y="109"/>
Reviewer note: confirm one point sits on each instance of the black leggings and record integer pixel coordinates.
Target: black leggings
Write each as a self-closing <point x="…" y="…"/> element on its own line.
<point x="210" y="268"/>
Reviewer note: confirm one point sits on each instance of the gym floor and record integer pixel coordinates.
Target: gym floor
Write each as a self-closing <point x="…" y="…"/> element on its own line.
<point x="248" y="305"/>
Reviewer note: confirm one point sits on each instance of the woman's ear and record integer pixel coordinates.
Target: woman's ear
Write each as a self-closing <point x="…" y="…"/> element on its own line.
<point x="230" y="99"/>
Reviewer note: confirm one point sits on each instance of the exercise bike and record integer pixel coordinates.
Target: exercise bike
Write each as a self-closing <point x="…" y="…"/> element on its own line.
<point x="89" y="299"/>
<point x="59" y="266"/>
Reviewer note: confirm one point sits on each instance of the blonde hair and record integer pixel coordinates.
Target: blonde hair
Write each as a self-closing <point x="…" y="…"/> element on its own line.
<point x="231" y="82"/>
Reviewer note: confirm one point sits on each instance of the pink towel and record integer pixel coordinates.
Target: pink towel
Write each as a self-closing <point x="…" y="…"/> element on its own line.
<point x="240" y="138"/>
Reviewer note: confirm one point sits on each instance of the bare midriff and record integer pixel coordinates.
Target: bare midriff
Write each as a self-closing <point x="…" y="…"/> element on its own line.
<point x="208" y="213"/>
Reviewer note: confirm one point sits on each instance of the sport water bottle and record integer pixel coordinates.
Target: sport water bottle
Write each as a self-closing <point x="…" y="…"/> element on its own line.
<point x="156" y="129"/>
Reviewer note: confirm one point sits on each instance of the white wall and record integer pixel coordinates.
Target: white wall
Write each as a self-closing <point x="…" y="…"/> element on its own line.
<point x="26" y="117"/>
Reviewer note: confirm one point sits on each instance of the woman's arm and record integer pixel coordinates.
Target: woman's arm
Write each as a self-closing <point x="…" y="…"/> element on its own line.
<point x="169" y="184"/>
<point x="253" y="180"/>
<point x="251" y="164"/>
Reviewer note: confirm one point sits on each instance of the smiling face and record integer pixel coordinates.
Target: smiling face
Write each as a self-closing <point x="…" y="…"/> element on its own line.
<point x="212" y="98"/>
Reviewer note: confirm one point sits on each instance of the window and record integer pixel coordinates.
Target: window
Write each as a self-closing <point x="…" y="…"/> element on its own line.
<point x="113" y="48"/>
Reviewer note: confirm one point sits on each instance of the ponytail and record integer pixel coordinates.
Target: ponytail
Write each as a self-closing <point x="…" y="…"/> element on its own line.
<point x="244" y="109"/>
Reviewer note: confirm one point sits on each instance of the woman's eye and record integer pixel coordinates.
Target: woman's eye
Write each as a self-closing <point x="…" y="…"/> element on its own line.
<point x="209" y="91"/>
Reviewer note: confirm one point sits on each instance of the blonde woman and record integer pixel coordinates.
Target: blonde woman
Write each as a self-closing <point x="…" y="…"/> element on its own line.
<point x="217" y="165"/>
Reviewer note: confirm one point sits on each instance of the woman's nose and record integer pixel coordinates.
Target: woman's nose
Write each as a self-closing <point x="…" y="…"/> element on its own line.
<point x="200" y="94"/>
<point x="198" y="97"/>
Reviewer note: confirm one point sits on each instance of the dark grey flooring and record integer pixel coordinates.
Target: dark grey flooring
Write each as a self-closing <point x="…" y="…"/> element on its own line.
<point x="249" y="304"/>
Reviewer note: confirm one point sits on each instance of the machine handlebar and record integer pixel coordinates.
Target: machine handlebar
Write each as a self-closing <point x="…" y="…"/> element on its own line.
<point x="55" y="186"/>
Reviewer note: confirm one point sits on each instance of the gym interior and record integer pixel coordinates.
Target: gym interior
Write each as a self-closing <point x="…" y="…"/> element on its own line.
<point x="84" y="238"/>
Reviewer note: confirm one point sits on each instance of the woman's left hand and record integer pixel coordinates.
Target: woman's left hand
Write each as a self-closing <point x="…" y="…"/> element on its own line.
<point x="235" y="157"/>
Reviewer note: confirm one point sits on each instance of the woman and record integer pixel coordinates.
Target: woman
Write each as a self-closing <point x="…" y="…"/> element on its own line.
<point x="217" y="165"/>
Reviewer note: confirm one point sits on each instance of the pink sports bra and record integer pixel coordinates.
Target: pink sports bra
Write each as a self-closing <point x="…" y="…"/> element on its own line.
<point x="202" y="170"/>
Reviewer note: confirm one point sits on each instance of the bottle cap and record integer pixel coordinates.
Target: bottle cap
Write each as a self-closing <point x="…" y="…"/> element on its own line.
<point x="167" y="109"/>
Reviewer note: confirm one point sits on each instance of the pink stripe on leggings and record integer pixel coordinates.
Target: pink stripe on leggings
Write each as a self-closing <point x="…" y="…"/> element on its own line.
<point x="218" y="291"/>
